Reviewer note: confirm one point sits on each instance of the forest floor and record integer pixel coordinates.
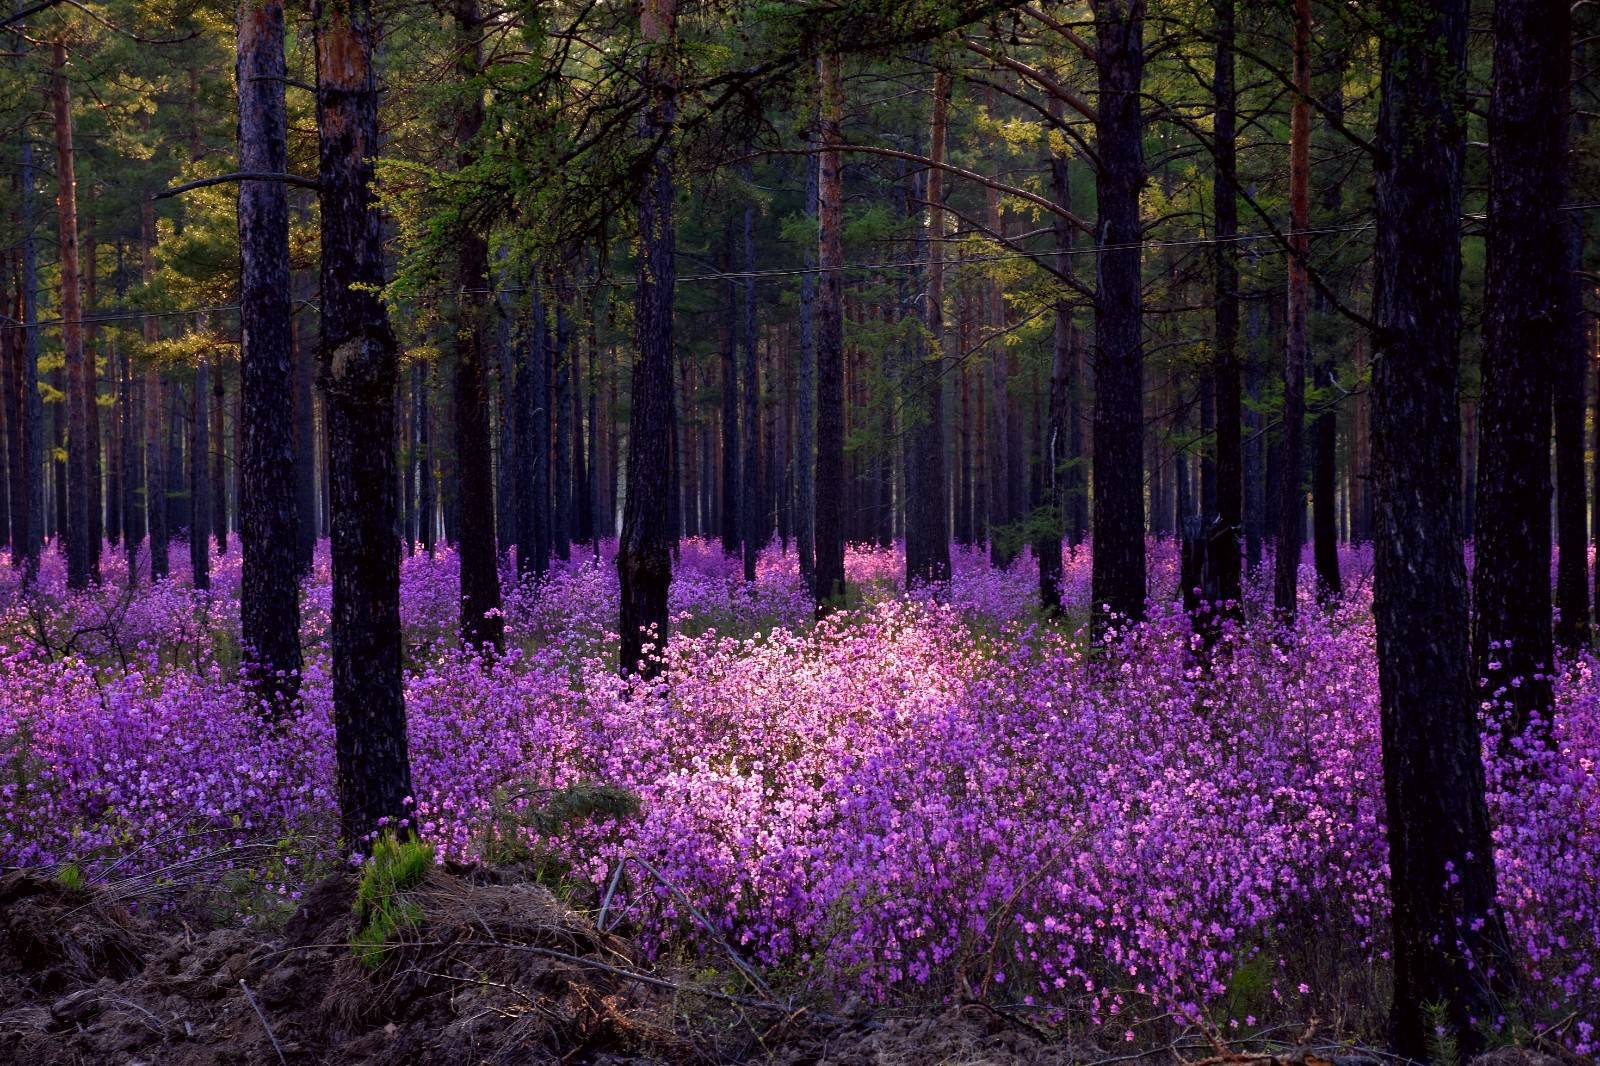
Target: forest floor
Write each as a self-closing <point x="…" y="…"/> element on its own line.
<point x="490" y="969"/>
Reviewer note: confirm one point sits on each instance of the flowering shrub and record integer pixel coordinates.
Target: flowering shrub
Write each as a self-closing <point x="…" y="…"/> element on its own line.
<point x="937" y="792"/>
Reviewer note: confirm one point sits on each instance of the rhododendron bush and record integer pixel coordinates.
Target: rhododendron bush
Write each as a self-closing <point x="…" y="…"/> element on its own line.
<point x="930" y="795"/>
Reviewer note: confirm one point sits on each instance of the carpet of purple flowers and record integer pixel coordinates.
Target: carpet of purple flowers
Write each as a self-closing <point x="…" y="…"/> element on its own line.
<point x="926" y="795"/>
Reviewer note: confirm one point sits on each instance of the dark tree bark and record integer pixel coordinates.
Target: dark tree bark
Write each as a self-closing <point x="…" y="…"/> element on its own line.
<point x="91" y="406"/>
<point x="1325" y="424"/>
<point x="1059" y="463"/>
<point x="1226" y="373"/>
<point x="199" y="478"/>
<point x="218" y="458"/>
<point x="533" y="444"/>
<point x="750" y="392"/>
<point x="481" y="624"/>
<point x="731" y="468"/>
<point x="1446" y="939"/>
<point x="644" y="554"/>
<point x="359" y="374"/>
<point x="270" y="533"/>
<point x="805" y="413"/>
<point x="130" y="399"/>
<point x="80" y="389"/>
<point x="582" y="509"/>
<point x="828" y="521"/>
<point x="31" y="404"/>
<point x="304" y="360"/>
<point x="1572" y="524"/>
<point x="155" y="468"/>
<point x="427" y="493"/>
<point x="1119" y="563"/>
<point x="927" y="506"/>
<point x="1291" y="494"/>
<point x="20" y="475"/>
<point x="561" y="481"/>
<point x="1526" y="293"/>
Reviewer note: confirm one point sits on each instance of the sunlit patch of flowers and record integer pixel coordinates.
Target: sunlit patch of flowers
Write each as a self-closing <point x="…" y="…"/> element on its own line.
<point x="938" y="793"/>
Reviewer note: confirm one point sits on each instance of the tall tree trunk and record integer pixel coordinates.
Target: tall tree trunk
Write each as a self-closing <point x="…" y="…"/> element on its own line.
<point x="219" y="457"/>
<point x="1059" y="463"/>
<point x="304" y="361"/>
<point x="1226" y="373"/>
<point x="79" y="385"/>
<point x="927" y="495"/>
<point x="561" y="481"/>
<point x="805" y="416"/>
<point x="1119" y="563"/>
<point x="582" y="512"/>
<point x="427" y="494"/>
<point x="21" y="476"/>
<point x="1526" y="293"/>
<point x="999" y="453"/>
<point x="750" y="392"/>
<point x="1572" y="520"/>
<point x="732" y="534"/>
<point x="32" y="403"/>
<point x="481" y="624"/>
<point x="271" y="537"/>
<point x="1325" y="424"/>
<point x="533" y="443"/>
<point x="828" y="521"/>
<point x="1446" y="940"/>
<point x="91" y="406"/>
<point x="199" y="478"/>
<point x="155" y="468"/>
<point x="359" y="372"/>
<point x="644" y="554"/>
<point x="130" y="397"/>
<point x="1291" y="498"/>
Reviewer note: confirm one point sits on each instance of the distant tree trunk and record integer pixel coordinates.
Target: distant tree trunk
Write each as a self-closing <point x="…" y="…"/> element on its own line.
<point x="1572" y="521"/>
<point x="218" y="457"/>
<point x="199" y="477"/>
<point x="927" y="494"/>
<point x="1325" y="424"/>
<point x="304" y="361"/>
<point x="1056" y="476"/>
<point x="828" y="522"/>
<point x="599" y="517"/>
<point x="130" y="399"/>
<point x="999" y="452"/>
<point x="359" y="371"/>
<point x="1526" y="293"/>
<point x="1226" y="373"/>
<point x="21" y="476"/>
<point x="1446" y="940"/>
<point x="270" y="534"/>
<point x="427" y="494"/>
<point x="732" y="534"/>
<point x="481" y="624"/>
<point x="582" y="512"/>
<point x="533" y="444"/>
<point x="91" y="406"/>
<point x="805" y="415"/>
<point x="80" y="390"/>
<point x="644" y="554"/>
<point x="561" y="482"/>
<point x="1291" y="498"/>
<point x="750" y="489"/>
<point x="30" y="401"/>
<point x="1119" y="564"/>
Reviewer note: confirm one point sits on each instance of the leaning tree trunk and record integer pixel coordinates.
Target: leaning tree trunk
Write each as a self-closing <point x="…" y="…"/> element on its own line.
<point x="1446" y="939"/>
<point x="270" y="532"/>
<point x="1525" y="307"/>
<point x="644" y="553"/>
<point x="360" y="371"/>
<point x="1119" y="564"/>
<point x="79" y="389"/>
<point x="481" y="624"/>
<point x="828" y="585"/>
<point x="1291" y="498"/>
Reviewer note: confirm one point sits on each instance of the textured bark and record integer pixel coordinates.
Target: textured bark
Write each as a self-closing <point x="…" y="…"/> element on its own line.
<point x="359" y="374"/>
<point x="1119" y="563"/>
<point x="1226" y="371"/>
<point x="1526" y="293"/>
<point x="79" y="385"/>
<point x="1297" y="352"/>
<point x="481" y="624"/>
<point x="270" y="535"/>
<point x="1448" y="933"/>
<point x="1572" y="522"/>
<point x="750" y="529"/>
<point x="644" y="553"/>
<point x="828" y="522"/>
<point x="199" y="479"/>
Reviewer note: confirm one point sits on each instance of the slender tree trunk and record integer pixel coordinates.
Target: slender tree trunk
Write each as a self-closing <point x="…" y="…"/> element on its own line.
<point x="21" y="476"/>
<point x="218" y="457"/>
<point x="427" y="494"/>
<point x="304" y="361"/>
<point x="999" y="452"/>
<point x="561" y="481"/>
<point x="732" y="534"/>
<point x="32" y="403"/>
<point x="1526" y="293"/>
<point x="359" y="371"/>
<point x="155" y="470"/>
<point x="1119" y="563"/>
<point x="79" y="384"/>
<point x="1229" y="415"/>
<point x="644" y="554"/>
<point x="270" y="533"/>
<point x="805" y="417"/>
<point x="91" y="406"/>
<point x="533" y="444"/>
<point x="1059" y="463"/>
<point x="130" y="399"/>
<point x="1446" y="940"/>
<point x="927" y="497"/>
<point x="828" y="522"/>
<point x="750" y="490"/>
<point x="199" y="479"/>
<point x="582" y="514"/>
<point x="481" y="624"/>
<point x="1291" y="498"/>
